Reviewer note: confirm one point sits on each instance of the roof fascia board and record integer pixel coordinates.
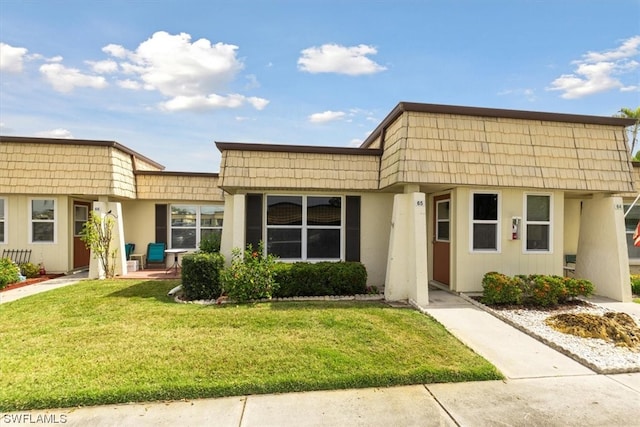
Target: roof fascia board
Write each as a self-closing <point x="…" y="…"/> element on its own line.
<point x="283" y="148"/>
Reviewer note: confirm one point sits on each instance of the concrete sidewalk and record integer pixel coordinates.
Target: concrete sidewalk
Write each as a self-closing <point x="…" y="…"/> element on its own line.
<point x="543" y="388"/>
<point x="47" y="285"/>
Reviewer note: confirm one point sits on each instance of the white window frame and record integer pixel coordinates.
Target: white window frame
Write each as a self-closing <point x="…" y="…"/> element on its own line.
<point x="439" y="220"/>
<point x="304" y="227"/>
<point x="54" y="221"/>
<point x="635" y="260"/>
<point x="497" y="222"/>
<point x="198" y="226"/>
<point x="526" y="223"/>
<point x="4" y="220"/>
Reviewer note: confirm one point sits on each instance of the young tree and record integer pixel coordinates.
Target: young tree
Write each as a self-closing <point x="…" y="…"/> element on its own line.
<point x="96" y="235"/>
<point x="632" y="114"/>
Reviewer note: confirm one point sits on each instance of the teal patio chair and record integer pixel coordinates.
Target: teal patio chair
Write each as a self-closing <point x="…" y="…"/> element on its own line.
<point x="128" y="250"/>
<point x="155" y="253"/>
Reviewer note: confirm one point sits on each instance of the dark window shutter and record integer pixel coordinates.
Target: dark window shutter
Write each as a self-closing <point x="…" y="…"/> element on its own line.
<point x="352" y="231"/>
<point x="161" y="224"/>
<point x="253" y="221"/>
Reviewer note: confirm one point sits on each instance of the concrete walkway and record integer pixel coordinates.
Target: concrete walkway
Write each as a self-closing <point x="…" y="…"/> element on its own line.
<point x="47" y="285"/>
<point x="543" y="388"/>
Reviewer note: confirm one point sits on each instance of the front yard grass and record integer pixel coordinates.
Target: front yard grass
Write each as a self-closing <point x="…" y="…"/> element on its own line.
<point x="101" y="342"/>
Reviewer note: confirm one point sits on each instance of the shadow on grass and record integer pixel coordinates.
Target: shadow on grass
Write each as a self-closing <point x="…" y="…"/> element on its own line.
<point x="156" y="289"/>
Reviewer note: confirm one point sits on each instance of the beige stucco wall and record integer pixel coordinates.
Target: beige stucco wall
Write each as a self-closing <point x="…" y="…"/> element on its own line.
<point x="572" y="209"/>
<point x="375" y="226"/>
<point x="179" y="186"/>
<point x="291" y="170"/>
<point x="505" y="152"/>
<point x="511" y="258"/>
<point x="57" y="255"/>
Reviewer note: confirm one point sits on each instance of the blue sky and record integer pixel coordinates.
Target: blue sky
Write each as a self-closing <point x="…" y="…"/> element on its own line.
<point x="168" y="78"/>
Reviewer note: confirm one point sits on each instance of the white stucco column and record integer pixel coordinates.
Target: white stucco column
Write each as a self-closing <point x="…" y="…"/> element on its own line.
<point x="407" y="276"/>
<point x="111" y="210"/>
<point x="602" y="255"/>
<point x="233" y="225"/>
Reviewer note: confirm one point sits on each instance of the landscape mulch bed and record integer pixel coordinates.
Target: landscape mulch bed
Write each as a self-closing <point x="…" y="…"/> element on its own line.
<point x="30" y="281"/>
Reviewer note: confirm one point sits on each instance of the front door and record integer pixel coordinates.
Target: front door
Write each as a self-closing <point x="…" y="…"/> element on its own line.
<point x="442" y="233"/>
<point x="80" y="216"/>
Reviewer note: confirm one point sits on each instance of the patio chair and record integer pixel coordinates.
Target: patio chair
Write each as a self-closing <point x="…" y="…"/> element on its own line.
<point x="155" y="253"/>
<point x="128" y="250"/>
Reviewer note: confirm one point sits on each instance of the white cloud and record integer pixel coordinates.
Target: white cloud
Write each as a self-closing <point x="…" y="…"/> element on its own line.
<point x="55" y="133"/>
<point x="175" y="67"/>
<point x="191" y="74"/>
<point x="212" y="101"/>
<point x="103" y="67"/>
<point x="12" y="58"/>
<point x="333" y="58"/>
<point x="600" y="71"/>
<point x="326" y="116"/>
<point x="355" y="142"/>
<point x="528" y="94"/>
<point x="129" y="84"/>
<point x="65" y="79"/>
<point x="5" y="129"/>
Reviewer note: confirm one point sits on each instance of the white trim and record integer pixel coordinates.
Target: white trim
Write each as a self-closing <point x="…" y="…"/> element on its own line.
<point x="526" y="222"/>
<point x="448" y="220"/>
<point x="198" y="225"/>
<point x="497" y="222"/>
<point x="30" y="220"/>
<point x="304" y="227"/>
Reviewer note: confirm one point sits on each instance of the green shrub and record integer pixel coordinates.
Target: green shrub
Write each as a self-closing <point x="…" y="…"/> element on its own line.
<point x="544" y="291"/>
<point x="577" y="287"/>
<point x="322" y="278"/>
<point x="9" y="272"/>
<point x="201" y="275"/>
<point x="635" y="284"/>
<point x="346" y="278"/>
<point x="29" y="270"/>
<point x="537" y="290"/>
<point x="250" y="276"/>
<point x="210" y="243"/>
<point x="498" y="288"/>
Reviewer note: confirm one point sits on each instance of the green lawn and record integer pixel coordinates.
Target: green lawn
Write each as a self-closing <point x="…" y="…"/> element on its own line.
<point x="101" y="342"/>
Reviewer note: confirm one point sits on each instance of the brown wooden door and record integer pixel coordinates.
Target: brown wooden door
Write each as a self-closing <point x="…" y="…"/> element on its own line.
<point x="80" y="216"/>
<point x="442" y="234"/>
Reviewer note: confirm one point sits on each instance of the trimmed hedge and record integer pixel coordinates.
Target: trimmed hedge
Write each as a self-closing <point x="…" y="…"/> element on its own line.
<point x="201" y="275"/>
<point x="318" y="279"/>
<point x="535" y="289"/>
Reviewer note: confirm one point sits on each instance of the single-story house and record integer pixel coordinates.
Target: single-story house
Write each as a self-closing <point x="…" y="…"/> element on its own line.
<point x="436" y="194"/>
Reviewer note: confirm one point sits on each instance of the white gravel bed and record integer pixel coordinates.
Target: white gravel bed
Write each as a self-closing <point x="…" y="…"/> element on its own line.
<point x="597" y="354"/>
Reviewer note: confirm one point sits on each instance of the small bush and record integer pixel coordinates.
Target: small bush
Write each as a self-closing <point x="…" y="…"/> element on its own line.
<point x="635" y="284"/>
<point x="9" y="272"/>
<point x="210" y="243"/>
<point x="29" y="270"/>
<point x="498" y="288"/>
<point x="250" y="276"/>
<point x="322" y="278"/>
<point x="201" y="275"/>
<point x="544" y="291"/>
<point x="535" y="289"/>
<point x="576" y="287"/>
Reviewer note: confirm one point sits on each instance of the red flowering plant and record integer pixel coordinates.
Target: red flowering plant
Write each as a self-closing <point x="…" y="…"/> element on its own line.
<point x="250" y="275"/>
